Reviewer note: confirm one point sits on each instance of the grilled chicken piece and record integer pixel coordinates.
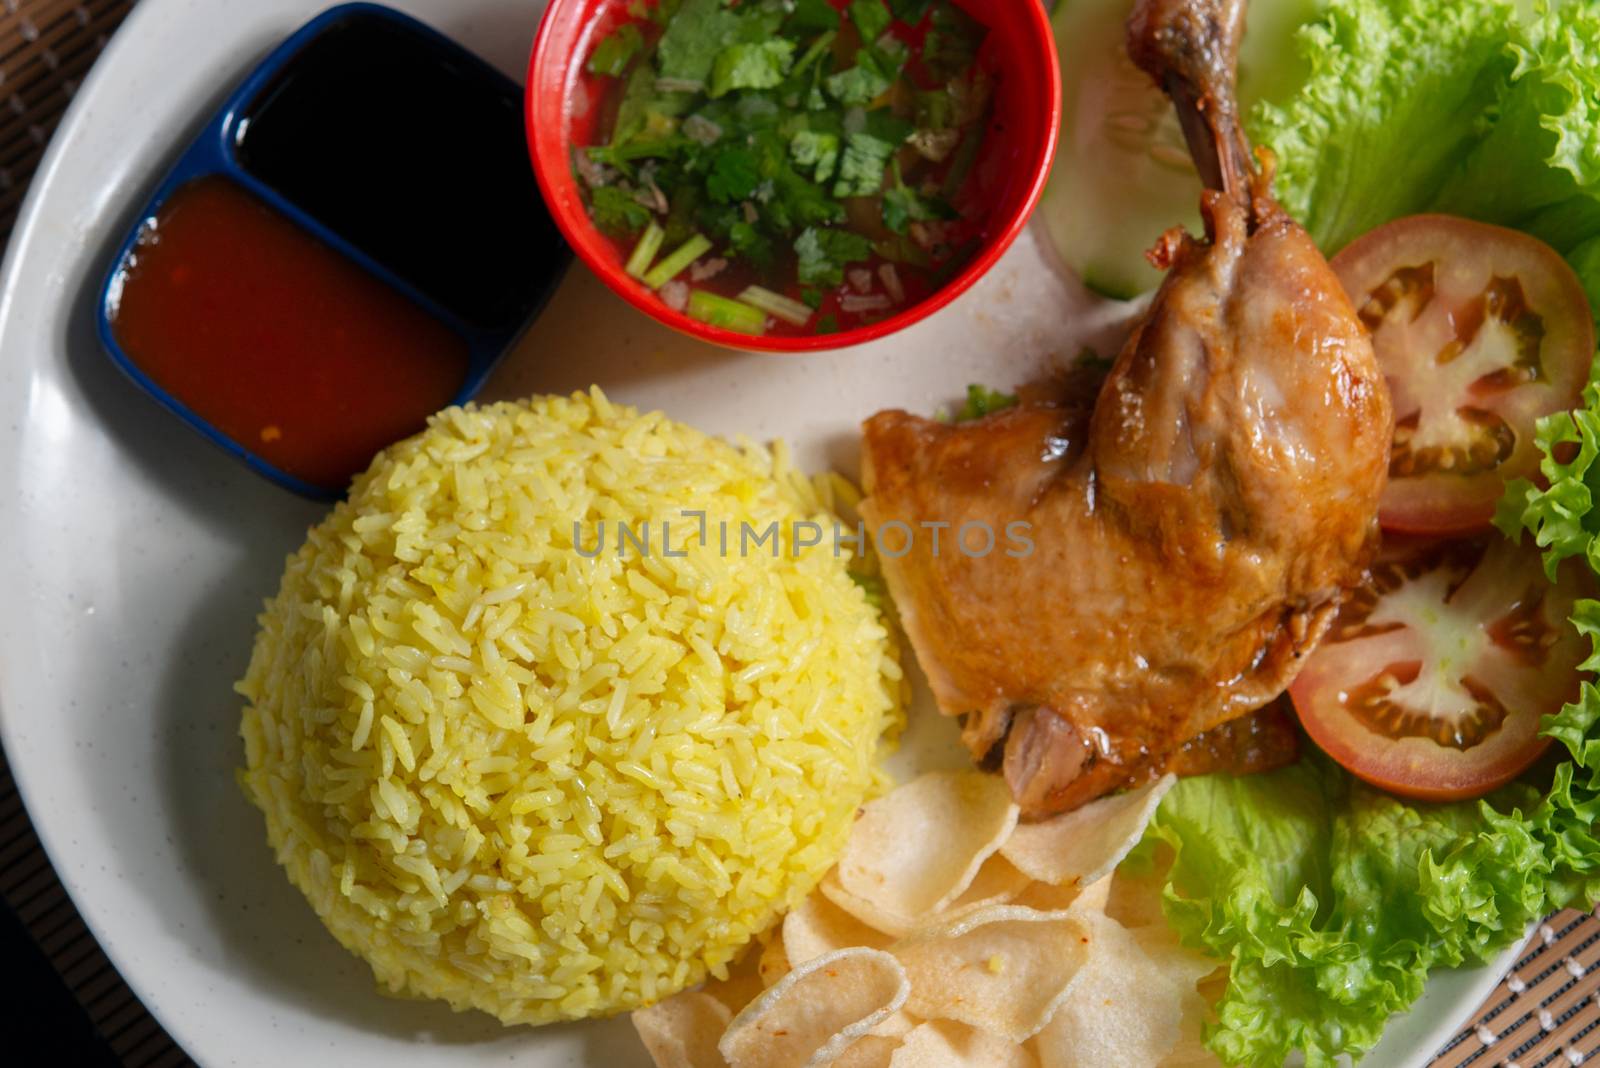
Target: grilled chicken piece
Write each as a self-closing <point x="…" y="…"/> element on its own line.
<point x="1194" y="527"/>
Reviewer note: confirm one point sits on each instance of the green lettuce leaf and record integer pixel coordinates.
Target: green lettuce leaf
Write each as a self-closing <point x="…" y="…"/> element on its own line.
<point x="1331" y="901"/>
<point x="1390" y="110"/>
<point x="1538" y="166"/>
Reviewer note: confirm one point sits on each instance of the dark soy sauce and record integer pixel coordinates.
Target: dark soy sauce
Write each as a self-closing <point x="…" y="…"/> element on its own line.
<point x="416" y="154"/>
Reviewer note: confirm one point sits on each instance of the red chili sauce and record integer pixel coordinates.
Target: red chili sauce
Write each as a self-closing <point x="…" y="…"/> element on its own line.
<point x="278" y="341"/>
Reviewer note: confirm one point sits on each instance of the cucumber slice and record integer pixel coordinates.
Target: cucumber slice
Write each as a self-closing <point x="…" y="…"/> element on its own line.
<point x="1123" y="175"/>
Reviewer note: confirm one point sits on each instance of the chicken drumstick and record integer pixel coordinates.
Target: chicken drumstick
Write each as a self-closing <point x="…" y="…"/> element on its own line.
<point x="1194" y="530"/>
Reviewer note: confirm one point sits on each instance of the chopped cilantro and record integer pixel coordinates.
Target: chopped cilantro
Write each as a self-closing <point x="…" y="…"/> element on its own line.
<point x="910" y="12"/>
<point x="612" y="55"/>
<point x="798" y="203"/>
<point x="816" y="150"/>
<point x="750" y="244"/>
<point x="824" y="253"/>
<point x="903" y="205"/>
<point x="871" y="18"/>
<point x="636" y="100"/>
<point x="751" y="66"/>
<point x="760" y="20"/>
<point x="892" y="52"/>
<point x="696" y="34"/>
<point x="883" y="125"/>
<point x="828" y="324"/>
<point x="734" y="175"/>
<point x="862" y="83"/>
<point x="982" y="401"/>
<point x="952" y="43"/>
<point x="862" y="165"/>
<point x="747" y="125"/>
<point x="617" y="212"/>
<point x="814" y="16"/>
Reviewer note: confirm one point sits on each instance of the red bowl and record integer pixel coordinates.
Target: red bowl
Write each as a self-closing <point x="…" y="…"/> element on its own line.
<point x="563" y="112"/>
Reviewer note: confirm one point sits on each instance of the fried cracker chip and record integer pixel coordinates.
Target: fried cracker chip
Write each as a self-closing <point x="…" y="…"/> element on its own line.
<point x="773" y="964"/>
<point x="1136" y="900"/>
<point x="897" y="1025"/>
<point x="817" y="1011"/>
<point x="947" y="1044"/>
<point x="998" y="882"/>
<point x="1068" y="898"/>
<point x="1083" y="846"/>
<point x="817" y="926"/>
<point x="868" y="913"/>
<point x="1135" y="1002"/>
<point x="1094" y="897"/>
<point x="683" y="1030"/>
<point x="917" y="849"/>
<point x="868" y="1051"/>
<point x="1042" y="897"/>
<point x="1002" y="969"/>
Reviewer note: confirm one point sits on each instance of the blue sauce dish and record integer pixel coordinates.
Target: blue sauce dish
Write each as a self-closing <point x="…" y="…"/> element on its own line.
<point x="355" y="240"/>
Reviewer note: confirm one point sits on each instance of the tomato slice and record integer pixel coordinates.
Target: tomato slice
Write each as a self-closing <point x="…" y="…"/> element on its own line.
<point x="1432" y="682"/>
<point x="1480" y="331"/>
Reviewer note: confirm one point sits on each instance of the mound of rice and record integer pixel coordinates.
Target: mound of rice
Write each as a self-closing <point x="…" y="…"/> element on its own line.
<point x="550" y="786"/>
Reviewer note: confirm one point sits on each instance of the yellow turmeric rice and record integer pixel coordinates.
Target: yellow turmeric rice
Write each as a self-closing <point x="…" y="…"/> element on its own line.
<point x="518" y="770"/>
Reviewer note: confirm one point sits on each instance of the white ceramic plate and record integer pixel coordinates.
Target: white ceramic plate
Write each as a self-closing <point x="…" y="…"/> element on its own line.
<point x="135" y="558"/>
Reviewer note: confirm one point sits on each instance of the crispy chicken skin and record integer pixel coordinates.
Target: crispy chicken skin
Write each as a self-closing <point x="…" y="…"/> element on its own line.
<point x="1194" y="526"/>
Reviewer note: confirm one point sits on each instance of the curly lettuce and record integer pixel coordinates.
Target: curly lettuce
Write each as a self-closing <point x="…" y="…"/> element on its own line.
<point x="1331" y="901"/>
<point x="1479" y="108"/>
<point x="1537" y="167"/>
<point x="1390" y="110"/>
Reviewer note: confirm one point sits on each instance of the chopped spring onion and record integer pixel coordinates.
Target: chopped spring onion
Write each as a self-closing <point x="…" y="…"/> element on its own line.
<point x="644" y="253"/>
<point x="678" y="261"/>
<point x="777" y="305"/>
<point x="728" y="314"/>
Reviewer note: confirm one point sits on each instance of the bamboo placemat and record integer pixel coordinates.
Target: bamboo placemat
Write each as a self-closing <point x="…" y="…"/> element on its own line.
<point x="1545" y="1014"/>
